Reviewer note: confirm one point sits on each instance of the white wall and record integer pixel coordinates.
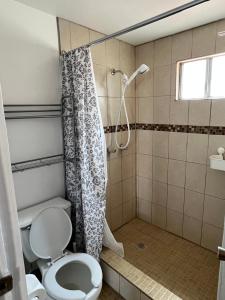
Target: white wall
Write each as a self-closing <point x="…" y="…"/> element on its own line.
<point x="29" y="74"/>
<point x="28" y="54"/>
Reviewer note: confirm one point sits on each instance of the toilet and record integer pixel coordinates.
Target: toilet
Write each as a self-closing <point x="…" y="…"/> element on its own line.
<point x="46" y="230"/>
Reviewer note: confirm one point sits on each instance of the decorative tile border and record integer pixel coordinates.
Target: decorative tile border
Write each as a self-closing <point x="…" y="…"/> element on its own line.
<point x="122" y="127"/>
<point x="212" y="130"/>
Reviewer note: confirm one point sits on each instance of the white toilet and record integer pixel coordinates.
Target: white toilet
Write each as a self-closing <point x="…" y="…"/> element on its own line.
<point x="46" y="230"/>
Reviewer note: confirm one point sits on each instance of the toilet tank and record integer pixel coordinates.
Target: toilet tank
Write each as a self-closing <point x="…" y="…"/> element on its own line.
<point x="26" y="217"/>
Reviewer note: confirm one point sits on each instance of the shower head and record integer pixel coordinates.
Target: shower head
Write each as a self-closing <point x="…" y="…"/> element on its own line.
<point x="141" y="70"/>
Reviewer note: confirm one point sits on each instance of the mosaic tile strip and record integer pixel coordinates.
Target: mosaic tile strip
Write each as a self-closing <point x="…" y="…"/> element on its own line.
<point x="213" y="130"/>
<point x="122" y="127"/>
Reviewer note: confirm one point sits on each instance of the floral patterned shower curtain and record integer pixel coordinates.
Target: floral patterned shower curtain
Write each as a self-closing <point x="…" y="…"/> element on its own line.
<point x="84" y="151"/>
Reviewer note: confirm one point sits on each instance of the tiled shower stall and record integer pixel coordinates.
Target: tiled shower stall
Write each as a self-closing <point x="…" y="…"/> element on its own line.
<point x="163" y="177"/>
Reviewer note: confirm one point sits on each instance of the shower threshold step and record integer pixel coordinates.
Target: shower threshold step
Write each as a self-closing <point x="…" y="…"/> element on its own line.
<point x="129" y="281"/>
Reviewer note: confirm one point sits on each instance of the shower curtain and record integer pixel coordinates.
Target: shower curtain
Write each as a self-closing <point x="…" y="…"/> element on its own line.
<point x="84" y="147"/>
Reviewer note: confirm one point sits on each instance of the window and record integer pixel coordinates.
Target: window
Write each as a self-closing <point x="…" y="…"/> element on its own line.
<point x="202" y="78"/>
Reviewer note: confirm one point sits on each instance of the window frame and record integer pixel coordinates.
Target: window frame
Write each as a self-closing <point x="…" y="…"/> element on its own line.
<point x="208" y="76"/>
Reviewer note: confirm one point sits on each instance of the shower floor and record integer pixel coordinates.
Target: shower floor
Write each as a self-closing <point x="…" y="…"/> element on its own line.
<point x="186" y="269"/>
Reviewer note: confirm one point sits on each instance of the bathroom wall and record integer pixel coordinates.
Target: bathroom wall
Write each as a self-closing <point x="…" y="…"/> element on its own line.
<point x="29" y="74"/>
<point x="121" y="197"/>
<point x="176" y="189"/>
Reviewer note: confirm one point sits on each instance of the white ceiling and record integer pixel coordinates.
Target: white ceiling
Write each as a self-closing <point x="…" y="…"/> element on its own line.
<point x="109" y="16"/>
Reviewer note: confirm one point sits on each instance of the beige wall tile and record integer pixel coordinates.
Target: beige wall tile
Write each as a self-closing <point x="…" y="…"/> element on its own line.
<point x="113" y="84"/>
<point x="98" y="51"/>
<point x="195" y="177"/>
<point x="220" y="41"/>
<point x="159" y="215"/>
<point x="159" y="195"/>
<point x="129" y="291"/>
<point x="130" y="90"/>
<point x="160" y="143"/>
<point x="131" y="149"/>
<point x="176" y="172"/>
<point x="178" y="145"/>
<point x="130" y="105"/>
<point x="173" y="79"/>
<point x="129" y="211"/>
<point x="127" y="57"/>
<point x="162" y="110"/>
<point x="144" y="165"/>
<point x="144" y="210"/>
<point x="192" y="229"/>
<point x="163" y="48"/>
<point x="179" y="111"/>
<point x="215" y="183"/>
<point x="144" y="189"/>
<point x="145" y="110"/>
<point x="174" y="222"/>
<point x="160" y="169"/>
<point x="162" y="80"/>
<point x="211" y="237"/>
<point x="181" y="46"/>
<point x="113" y="110"/>
<point x="199" y="112"/>
<point x="144" y="84"/>
<point x="204" y="40"/>
<point x="128" y="166"/>
<point x="116" y="217"/>
<point x="100" y="79"/>
<point x="197" y="148"/>
<point x="115" y="170"/>
<point x="175" y="198"/>
<point x="145" y="55"/>
<point x="111" y="145"/>
<point x="64" y="34"/>
<point x="115" y="195"/>
<point x="112" y="53"/>
<point x="193" y="205"/>
<point x="214" y="211"/>
<point x="79" y="35"/>
<point x="104" y="110"/>
<point x="129" y="191"/>
<point x="218" y="113"/>
<point x="144" y="141"/>
<point x="110" y="276"/>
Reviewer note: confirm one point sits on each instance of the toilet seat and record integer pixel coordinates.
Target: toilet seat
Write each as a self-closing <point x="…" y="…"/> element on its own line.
<point x="57" y="291"/>
<point x="50" y="233"/>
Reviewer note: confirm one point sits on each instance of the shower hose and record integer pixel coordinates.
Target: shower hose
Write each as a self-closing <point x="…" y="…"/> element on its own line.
<point x="123" y="106"/>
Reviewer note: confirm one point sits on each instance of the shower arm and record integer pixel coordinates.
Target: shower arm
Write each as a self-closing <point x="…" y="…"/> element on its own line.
<point x="114" y="71"/>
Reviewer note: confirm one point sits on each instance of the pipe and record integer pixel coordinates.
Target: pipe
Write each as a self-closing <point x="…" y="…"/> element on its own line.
<point x="159" y="17"/>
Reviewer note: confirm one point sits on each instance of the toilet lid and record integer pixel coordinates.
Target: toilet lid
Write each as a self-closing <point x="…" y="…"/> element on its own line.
<point x="50" y="233"/>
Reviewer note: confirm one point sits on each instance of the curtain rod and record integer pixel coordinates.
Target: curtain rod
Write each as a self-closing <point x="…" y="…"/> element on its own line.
<point x="148" y="21"/>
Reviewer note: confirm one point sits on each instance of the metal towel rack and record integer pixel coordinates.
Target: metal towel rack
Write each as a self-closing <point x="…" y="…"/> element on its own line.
<point x="28" y="111"/>
<point x="37" y="163"/>
<point x="34" y="111"/>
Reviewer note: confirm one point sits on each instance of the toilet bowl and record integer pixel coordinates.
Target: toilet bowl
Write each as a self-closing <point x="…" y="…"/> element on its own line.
<point x="74" y="277"/>
<point x="65" y="275"/>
